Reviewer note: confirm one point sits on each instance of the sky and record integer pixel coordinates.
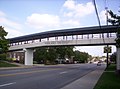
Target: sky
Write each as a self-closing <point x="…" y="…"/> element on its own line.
<point x="22" y="17"/>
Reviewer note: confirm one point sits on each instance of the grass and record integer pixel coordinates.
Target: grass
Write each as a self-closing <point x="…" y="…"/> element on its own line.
<point x="109" y="80"/>
<point x="112" y="67"/>
<point x="6" y="64"/>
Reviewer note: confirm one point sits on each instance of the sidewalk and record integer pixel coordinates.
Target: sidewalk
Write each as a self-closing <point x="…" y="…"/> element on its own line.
<point x="88" y="81"/>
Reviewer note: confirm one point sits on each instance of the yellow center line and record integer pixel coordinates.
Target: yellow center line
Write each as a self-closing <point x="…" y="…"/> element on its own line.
<point x="21" y="73"/>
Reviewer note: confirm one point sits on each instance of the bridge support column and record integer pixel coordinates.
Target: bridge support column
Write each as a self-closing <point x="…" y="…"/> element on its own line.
<point x="29" y="56"/>
<point x="118" y="60"/>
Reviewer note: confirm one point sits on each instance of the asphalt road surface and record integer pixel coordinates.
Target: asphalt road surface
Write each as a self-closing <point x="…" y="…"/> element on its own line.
<point x="43" y="77"/>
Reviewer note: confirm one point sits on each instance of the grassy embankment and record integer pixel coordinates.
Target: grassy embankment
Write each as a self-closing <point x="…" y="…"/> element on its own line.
<point x="109" y="79"/>
<point x="7" y="64"/>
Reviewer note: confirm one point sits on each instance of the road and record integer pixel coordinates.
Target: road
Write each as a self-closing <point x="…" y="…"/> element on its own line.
<point x="43" y="77"/>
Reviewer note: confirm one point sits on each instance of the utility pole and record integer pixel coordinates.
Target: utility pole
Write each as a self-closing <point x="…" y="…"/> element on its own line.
<point x="107" y="56"/>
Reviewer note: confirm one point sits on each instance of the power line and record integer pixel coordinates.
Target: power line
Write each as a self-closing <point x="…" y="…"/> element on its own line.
<point x="94" y="3"/>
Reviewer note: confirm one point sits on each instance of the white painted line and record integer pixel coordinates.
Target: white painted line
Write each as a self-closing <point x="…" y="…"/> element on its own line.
<point x="63" y="72"/>
<point x="7" y="84"/>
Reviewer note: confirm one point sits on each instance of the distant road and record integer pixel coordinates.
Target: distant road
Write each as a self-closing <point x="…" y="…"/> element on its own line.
<point x="43" y="77"/>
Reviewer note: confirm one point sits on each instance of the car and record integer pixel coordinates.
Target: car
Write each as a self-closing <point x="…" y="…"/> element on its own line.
<point x="99" y="63"/>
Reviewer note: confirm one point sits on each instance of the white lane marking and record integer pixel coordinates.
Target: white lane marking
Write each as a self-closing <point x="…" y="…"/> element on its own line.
<point x="63" y="72"/>
<point x="7" y="84"/>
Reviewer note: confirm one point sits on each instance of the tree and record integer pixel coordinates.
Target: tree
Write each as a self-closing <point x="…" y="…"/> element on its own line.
<point x="81" y="56"/>
<point x="3" y="43"/>
<point x="69" y="51"/>
<point x="50" y="54"/>
<point x="39" y="55"/>
<point x="47" y="55"/>
<point x="113" y="57"/>
<point x="115" y="20"/>
<point x="63" y="51"/>
<point x="77" y="56"/>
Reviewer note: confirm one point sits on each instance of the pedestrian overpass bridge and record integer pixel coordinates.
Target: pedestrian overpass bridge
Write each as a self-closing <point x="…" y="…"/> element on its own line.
<point x="104" y="35"/>
<point x="81" y="42"/>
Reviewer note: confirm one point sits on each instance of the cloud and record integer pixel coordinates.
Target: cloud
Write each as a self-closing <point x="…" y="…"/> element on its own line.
<point x="69" y="16"/>
<point x="6" y="22"/>
<point x="9" y="23"/>
<point x="12" y="32"/>
<point x="70" y="4"/>
<point x="13" y="28"/>
<point x="40" y="21"/>
<point x="103" y="17"/>
<point x="74" y="9"/>
<point x="71" y="22"/>
<point x="73" y="12"/>
<point x="2" y="14"/>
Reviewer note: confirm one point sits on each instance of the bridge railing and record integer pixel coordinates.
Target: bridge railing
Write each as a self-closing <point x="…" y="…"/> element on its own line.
<point x="67" y="38"/>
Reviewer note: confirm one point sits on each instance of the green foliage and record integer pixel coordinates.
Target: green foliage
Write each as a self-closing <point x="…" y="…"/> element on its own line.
<point x="115" y="21"/>
<point x="112" y="67"/>
<point x="69" y="51"/>
<point x="117" y="42"/>
<point x="39" y="55"/>
<point x="51" y="55"/>
<point x="63" y="51"/>
<point x="3" y="33"/>
<point x="113" y="57"/>
<point x="3" y="56"/>
<point x="3" y="42"/>
<point x="6" y="64"/>
<point x="77" y="56"/>
<point x="81" y="56"/>
<point x="45" y="54"/>
<point x="10" y="59"/>
<point x="118" y="38"/>
<point x="108" y="80"/>
<point x="48" y="55"/>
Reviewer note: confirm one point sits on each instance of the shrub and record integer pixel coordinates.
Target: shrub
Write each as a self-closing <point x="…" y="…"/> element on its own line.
<point x="3" y="56"/>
